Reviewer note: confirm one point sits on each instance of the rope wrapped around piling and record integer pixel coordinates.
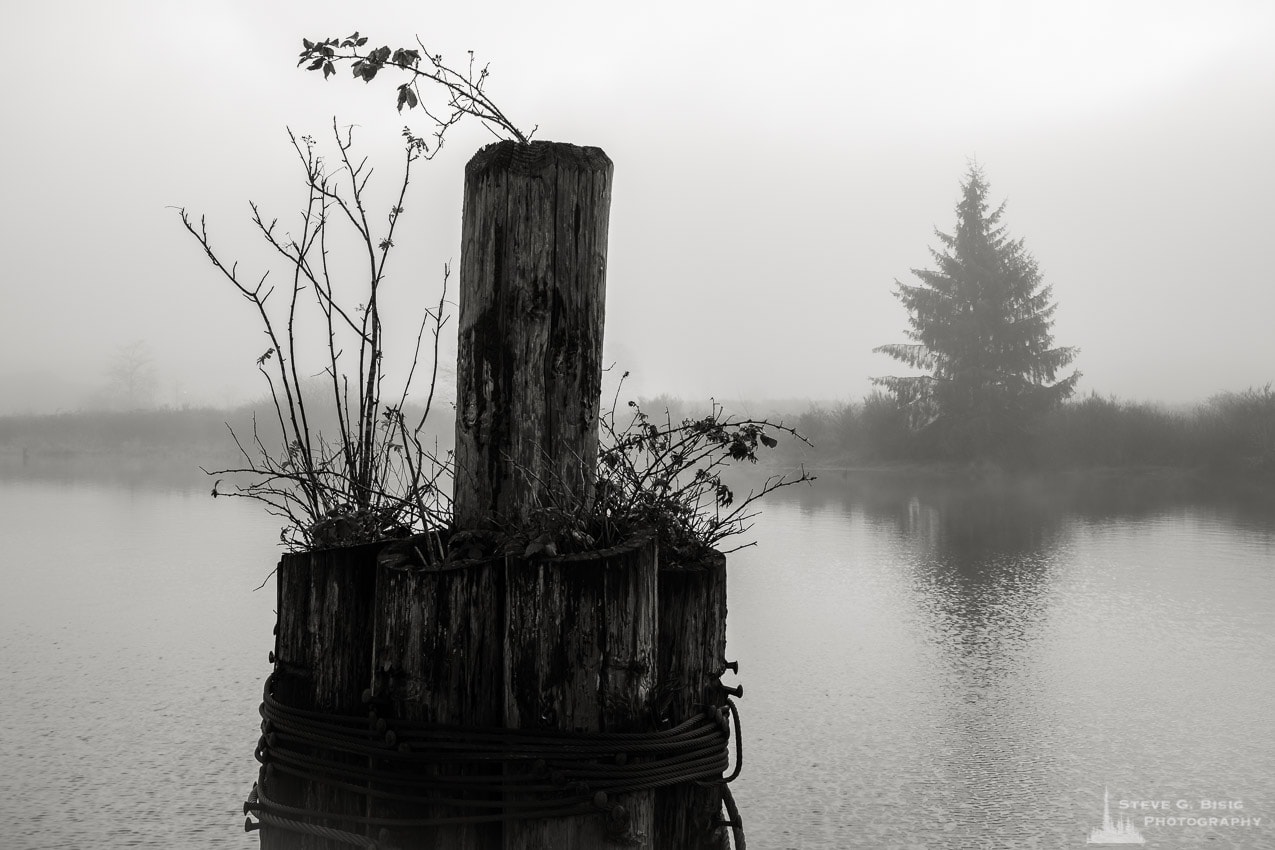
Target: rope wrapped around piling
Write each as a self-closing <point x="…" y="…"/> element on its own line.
<point x="519" y="773"/>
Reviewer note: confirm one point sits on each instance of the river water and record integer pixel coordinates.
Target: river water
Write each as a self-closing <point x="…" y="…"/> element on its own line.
<point x="925" y="664"/>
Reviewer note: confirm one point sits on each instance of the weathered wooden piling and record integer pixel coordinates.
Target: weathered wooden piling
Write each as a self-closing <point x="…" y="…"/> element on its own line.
<point x="323" y="651"/>
<point x="437" y="654"/>
<point x="521" y="639"/>
<point x="529" y="365"/>
<point x="580" y="656"/>
<point x="691" y="659"/>
<point x="580" y="631"/>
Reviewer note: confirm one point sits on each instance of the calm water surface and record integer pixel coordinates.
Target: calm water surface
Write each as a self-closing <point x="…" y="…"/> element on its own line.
<point x="924" y="665"/>
<point x="970" y="667"/>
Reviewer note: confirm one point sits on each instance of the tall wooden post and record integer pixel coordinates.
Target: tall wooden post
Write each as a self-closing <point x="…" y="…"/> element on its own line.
<point x="529" y="367"/>
<point x="580" y="633"/>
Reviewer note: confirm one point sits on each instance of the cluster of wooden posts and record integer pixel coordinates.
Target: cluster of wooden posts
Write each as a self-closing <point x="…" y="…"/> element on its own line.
<point x="607" y="642"/>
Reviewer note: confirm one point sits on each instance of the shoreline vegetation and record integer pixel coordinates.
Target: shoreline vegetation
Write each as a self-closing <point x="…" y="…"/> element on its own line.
<point x="1230" y="435"/>
<point x="1229" y="438"/>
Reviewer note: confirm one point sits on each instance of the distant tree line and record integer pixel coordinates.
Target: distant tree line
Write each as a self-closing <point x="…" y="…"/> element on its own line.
<point x="1232" y="432"/>
<point x="202" y="434"/>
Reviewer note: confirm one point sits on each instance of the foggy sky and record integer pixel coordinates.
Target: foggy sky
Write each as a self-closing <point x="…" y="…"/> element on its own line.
<point x="777" y="167"/>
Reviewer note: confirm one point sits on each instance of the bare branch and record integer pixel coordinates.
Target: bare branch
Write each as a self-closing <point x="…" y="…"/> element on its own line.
<point x="377" y="478"/>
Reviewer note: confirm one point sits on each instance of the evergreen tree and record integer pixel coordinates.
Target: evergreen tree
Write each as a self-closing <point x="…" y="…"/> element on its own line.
<point x="980" y="328"/>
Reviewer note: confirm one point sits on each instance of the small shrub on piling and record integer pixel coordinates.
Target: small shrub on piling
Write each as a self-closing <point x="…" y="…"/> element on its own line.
<point x="663" y="474"/>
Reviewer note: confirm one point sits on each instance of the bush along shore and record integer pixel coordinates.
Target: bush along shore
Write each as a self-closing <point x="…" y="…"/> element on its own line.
<point x="1231" y="434"/>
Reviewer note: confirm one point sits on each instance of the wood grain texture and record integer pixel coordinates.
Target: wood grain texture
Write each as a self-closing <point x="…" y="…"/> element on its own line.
<point x="436" y="658"/>
<point x="580" y="655"/>
<point x="323" y="652"/>
<point x="532" y="299"/>
<point x="692" y="646"/>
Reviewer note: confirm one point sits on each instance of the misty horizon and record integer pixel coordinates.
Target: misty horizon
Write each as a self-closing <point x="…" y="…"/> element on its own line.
<point x="759" y="220"/>
<point x="36" y="394"/>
